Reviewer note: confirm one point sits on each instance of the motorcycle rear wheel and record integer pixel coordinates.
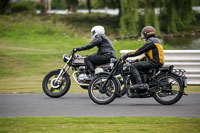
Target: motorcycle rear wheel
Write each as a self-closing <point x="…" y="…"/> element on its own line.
<point x="56" y="90"/>
<point x="170" y="91"/>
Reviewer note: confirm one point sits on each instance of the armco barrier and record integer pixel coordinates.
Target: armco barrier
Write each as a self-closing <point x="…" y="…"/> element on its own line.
<point x="182" y="59"/>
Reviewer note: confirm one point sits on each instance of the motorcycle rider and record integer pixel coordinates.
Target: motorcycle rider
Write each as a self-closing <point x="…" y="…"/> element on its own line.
<point x="154" y="57"/>
<point x="105" y="49"/>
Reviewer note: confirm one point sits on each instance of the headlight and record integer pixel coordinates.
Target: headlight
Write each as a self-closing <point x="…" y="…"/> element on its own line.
<point x="65" y="58"/>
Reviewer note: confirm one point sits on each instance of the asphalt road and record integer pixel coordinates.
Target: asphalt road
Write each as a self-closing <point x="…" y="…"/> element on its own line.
<point x="80" y="105"/>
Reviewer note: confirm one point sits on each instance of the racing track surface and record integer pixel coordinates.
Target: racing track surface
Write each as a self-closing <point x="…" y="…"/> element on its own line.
<point x="80" y="105"/>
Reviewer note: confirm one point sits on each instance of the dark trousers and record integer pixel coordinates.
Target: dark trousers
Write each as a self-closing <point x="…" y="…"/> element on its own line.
<point x="92" y="60"/>
<point x="141" y="65"/>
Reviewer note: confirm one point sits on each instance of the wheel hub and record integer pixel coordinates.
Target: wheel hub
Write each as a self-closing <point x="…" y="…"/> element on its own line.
<point x="54" y="84"/>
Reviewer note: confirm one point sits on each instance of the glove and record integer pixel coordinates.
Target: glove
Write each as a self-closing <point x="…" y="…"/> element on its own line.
<point x="75" y="50"/>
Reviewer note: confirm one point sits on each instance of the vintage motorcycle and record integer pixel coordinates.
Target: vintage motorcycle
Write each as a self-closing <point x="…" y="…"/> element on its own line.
<point x="57" y="82"/>
<point x="166" y="84"/>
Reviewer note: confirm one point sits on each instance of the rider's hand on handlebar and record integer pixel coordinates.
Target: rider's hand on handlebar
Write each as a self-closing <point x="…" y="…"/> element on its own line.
<point x="125" y="56"/>
<point x="75" y="50"/>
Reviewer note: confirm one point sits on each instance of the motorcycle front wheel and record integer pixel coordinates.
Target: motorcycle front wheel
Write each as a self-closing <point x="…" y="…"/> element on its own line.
<point x="53" y="89"/>
<point x="105" y="96"/>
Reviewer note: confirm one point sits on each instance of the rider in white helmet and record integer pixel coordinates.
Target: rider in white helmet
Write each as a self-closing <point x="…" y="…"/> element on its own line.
<point x="105" y="49"/>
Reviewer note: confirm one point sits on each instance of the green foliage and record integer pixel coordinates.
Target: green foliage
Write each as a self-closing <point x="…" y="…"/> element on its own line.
<point x="181" y="14"/>
<point x="150" y="18"/>
<point x="104" y="3"/>
<point x="174" y="17"/>
<point x="58" y="4"/>
<point x="26" y="7"/>
<point x="130" y="18"/>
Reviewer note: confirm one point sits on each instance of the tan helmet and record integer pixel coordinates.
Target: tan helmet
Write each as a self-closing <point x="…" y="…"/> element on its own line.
<point x="148" y="31"/>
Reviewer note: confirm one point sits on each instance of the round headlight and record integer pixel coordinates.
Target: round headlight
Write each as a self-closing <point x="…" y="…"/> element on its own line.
<point x="65" y="58"/>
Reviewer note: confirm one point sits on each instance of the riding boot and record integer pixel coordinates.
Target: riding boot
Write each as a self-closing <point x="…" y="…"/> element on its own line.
<point x="139" y="85"/>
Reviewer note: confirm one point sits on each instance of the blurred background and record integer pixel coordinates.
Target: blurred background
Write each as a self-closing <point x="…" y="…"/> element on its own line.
<point x="173" y="19"/>
<point x="34" y="34"/>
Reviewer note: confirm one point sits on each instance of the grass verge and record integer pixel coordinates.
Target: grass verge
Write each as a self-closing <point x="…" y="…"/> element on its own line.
<point x="97" y="125"/>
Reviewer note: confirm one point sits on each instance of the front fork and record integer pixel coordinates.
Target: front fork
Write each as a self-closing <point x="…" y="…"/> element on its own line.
<point x="62" y="71"/>
<point x="103" y="88"/>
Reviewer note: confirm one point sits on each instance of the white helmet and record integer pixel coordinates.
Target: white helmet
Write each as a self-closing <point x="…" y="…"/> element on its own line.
<point x="97" y="30"/>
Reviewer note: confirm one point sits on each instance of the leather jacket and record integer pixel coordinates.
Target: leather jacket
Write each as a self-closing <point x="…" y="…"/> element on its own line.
<point x="103" y="43"/>
<point x="153" y="51"/>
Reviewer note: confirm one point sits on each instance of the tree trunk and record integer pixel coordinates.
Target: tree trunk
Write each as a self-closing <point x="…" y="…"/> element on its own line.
<point x="119" y="8"/>
<point x="4" y="4"/>
<point x="89" y="6"/>
<point x="44" y="4"/>
<point x="72" y="5"/>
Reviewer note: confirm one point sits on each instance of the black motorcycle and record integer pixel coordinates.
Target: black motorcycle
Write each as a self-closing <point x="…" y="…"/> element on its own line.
<point x="57" y="82"/>
<point x="166" y="84"/>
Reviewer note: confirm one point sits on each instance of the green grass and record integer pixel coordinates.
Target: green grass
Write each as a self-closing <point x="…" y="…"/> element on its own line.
<point x="100" y="125"/>
<point x="31" y="46"/>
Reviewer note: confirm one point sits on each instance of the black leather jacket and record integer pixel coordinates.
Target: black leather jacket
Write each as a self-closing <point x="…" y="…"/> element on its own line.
<point x="103" y="43"/>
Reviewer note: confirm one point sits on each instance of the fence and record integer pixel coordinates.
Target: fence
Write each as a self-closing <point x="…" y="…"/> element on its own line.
<point x="182" y="59"/>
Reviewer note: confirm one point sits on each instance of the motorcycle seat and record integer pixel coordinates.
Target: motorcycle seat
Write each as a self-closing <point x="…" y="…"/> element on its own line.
<point x="166" y="68"/>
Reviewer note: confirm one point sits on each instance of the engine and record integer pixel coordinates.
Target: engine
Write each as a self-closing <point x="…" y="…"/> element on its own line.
<point x="83" y="77"/>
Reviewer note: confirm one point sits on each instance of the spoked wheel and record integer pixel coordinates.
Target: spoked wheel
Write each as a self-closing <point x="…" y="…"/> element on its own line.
<point x="101" y="95"/>
<point x="56" y="89"/>
<point x="170" y="90"/>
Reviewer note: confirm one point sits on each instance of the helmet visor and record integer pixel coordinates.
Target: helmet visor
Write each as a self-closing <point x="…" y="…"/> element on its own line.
<point x="142" y="35"/>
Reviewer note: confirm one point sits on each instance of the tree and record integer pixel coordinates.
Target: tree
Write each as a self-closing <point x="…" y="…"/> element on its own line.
<point x="72" y="5"/>
<point x="59" y="4"/>
<point x="129" y="21"/>
<point x="150" y="17"/>
<point x="89" y="6"/>
<point x="45" y="6"/>
<point x="175" y="14"/>
<point x="107" y="3"/>
<point x="4" y="4"/>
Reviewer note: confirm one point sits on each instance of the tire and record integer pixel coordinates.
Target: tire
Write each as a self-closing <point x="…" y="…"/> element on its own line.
<point x="170" y="85"/>
<point x="60" y="89"/>
<point x="94" y="86"/>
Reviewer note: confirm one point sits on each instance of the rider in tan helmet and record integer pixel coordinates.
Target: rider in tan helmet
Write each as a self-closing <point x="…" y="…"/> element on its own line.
<point x="154" y="57"/>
